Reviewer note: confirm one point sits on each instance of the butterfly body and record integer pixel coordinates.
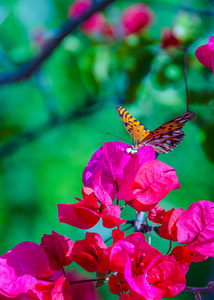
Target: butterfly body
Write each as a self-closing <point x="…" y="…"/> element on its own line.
<point x="163" y="139"/>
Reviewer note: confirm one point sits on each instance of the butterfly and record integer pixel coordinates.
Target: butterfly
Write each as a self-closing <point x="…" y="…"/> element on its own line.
<point x="163" y="139"/>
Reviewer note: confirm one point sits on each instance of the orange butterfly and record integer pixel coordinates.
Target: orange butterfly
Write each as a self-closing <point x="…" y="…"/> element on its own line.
<point x="163" y="139"/>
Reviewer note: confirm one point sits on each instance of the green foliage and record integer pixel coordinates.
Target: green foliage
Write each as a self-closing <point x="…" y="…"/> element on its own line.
<point x="44" y="168"/>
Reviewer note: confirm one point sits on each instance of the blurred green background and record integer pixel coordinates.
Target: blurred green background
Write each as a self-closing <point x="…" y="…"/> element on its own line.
<point x="52" y="123"/>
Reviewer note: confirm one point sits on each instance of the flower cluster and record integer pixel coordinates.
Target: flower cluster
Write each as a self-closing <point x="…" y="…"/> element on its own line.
<point x="139" y="180"/>
<point x="169" y="39"/>
<point x="131" y="266"/>
<point x="133" y="19"/>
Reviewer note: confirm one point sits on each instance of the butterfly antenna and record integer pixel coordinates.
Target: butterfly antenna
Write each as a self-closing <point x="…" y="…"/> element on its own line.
<point x="118" y="137"/>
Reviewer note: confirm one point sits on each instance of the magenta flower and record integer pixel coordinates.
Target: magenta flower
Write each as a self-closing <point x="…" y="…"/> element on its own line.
<point x="135" y="18"/>
<point x="21" y="267"/>
<point x="205" y="54"/>
<point x="195" y="228"/>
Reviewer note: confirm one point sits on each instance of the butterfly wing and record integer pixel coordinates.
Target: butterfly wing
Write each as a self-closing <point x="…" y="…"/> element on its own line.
<point x="166" y="137"/>
<point x="135" y="129"/>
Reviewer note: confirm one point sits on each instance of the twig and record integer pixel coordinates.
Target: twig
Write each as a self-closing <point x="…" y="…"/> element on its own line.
<point x="197" y="296"/>
<point x="56" y="120"/>
<point x="139" y="220"/>
<point x="199" y="289"/>
<point x="185" y="71"/>
<point x="185" y="77"/>
<point x="26" y="70"/>
<point x="147" y="229"/>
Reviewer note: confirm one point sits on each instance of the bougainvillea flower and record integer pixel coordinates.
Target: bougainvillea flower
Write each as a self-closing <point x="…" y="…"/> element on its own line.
<point x="20" y="297"/>
<point x="126" y="168"/>
<point x="195" y="228"/>
<point x="168" y="229"/>
<point x="135" y="18"/>
<point x="139" y="285"/>
<point x="117" y="284"/>
<point x="88" y="253"/>
<point x="101" y="162"/>
<point x="21" y="267"/>
<point x="205" y="54"/>
<point x="162" y="278"/>
<point x="165" y="273"/>
<point x="87" y="212"/>
<point x="152" y="183"/>
<point x="169" y="39"/>
<point x="125" y="297"/>
<point x="111" y="216"/>
<point x="111" y="169"/>
<point x="156" y="214"/>
<point x="117" y="235"/>
<point x="59" y="289"/>
<point x="183" y="256"/>
<point x="58" y="250"/>
<point x="92" y="25"/>
<point x="82" y="215"/>
<point x="96" y="24"/>
<point x="82" y="290"/>
<point x="134" y="246"/>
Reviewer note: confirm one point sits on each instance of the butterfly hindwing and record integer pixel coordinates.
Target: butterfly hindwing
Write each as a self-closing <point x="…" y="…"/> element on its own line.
<point x="166" y="137"/>
<point x="163" y="139"/>
<point x="135" y="129"/>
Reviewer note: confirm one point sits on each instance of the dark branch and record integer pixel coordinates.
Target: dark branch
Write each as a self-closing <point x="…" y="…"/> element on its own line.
<point x="57" y="120"/>
<point x="26" y="70"/>
<point x="199" y="289"/>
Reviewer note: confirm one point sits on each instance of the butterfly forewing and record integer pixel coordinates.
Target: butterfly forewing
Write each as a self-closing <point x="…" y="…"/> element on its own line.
<point x="163" y="139"/>
<point x="135" y="129"/>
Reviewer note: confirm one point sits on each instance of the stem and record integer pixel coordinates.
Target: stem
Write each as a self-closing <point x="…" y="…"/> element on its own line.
<point x="170" y="246"/>
<point x="85" y="280"/>
<point x="185" y="77"/>
<point x="185" y="74"/>
<point x="122" y="207"/>
<point x="139" y="220"/>
<point x="185" y="71"/>
<point x="199" y="289"/>
<point x="198" y="296"/>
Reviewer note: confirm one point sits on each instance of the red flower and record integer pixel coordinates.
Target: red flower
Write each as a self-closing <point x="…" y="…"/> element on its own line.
<point x="88" y="253"/>
<point x="169" y="39"/>
<point x="112" y="170"/>
<point x="135" y="18"/>
<point x="59" y="289"/>
<point x="82" y="290"/>
<point x="156" y="214"/>
<point x="96" y="24"/>
<point x="161" y="278"/>
<point x="21" y="267"/>
<point x="168" y="229"/>
<point x="87" y="212"/>
<point x="183" y="256"/>
<point x="152" y="183"/>
<point x="205" y="54"/>
<point x="133" y="246"/>
<point x="58" y="250"/>
<point x="195" y="228"/>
